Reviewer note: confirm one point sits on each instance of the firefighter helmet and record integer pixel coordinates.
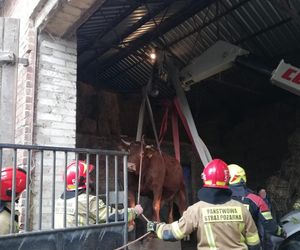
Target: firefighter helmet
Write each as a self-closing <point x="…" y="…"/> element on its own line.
<point x="237" y="174"/>
<point x="216" y="174"/>
<point x="71" y="175"/>
<point x="7" y="183"/>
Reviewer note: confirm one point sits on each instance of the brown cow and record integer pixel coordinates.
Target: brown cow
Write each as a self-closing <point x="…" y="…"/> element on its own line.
<point x="161" y="179"/>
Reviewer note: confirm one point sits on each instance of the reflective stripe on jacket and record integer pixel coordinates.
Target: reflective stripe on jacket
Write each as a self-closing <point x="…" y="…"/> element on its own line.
<point x="82" y="211"/>
<point x="218" y="226"/>
<point x="258" y="208"/>
<point x="5" y="222"/>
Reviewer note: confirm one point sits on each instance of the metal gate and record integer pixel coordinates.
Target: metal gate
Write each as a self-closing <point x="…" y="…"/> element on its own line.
<point x="46" y="169"/>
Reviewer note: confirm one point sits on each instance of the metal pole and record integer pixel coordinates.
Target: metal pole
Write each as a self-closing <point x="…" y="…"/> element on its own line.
<point x="41" y="189"/>
<point x="13" y="196"/>
<point x="27" y="201"/>
<point x="53" y="189"/>
<point x="87" y="190"/>
<point x="65" y="189"/>
<point x="125" y="198"/>
<point x="106" y="187"/>
<point x="116" y="188"/>
<point x="1" y="154"/>
<point x="97" y="188"/>
<point x="76" y="192"/>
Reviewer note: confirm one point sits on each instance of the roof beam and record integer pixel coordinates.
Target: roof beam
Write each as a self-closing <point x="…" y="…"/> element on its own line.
<point x="215" y="19"/>
<point x="262" y="31"/>
<point x="134" y="27"/>
<point x="288" y="8"/>
<point x="92" y="44"/>
<point x="193" y="8"/>
<point x="72" y="29"/>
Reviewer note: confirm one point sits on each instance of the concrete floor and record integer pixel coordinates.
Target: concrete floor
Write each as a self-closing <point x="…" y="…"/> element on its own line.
<point x="149" y="244"/>
<point x="152" y="243"/>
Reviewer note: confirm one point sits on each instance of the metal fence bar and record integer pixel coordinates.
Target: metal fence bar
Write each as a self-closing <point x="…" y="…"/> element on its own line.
<point x="87" y="190"/>
<point x="53" y="189"/>
<point x="41" y="190"/>
<point x="13" y="195"/>
<point x="76" y="192"/>
<point x="49" y="163"/>
<point x="106" y="187"/>
<point x="63" y="149"/>
<point x="116" y="188"/>
<point x="97" y="188"/>
<point x="125" y="179"/>
<point x="1" y="153"/>
<point x="27" y="201"/>
<point x="65" y="189"/>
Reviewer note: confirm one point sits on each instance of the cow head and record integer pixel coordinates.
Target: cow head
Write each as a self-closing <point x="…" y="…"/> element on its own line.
<point x="134" y="149"/>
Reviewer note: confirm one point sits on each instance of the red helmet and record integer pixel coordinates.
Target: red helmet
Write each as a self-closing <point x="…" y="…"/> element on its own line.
<point x="71" y="175"/>
<point x="7" y="181"/>
<point x="216" y="174"/>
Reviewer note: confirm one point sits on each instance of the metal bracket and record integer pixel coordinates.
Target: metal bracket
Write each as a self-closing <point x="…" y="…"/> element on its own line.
<point x="10" y="58"/>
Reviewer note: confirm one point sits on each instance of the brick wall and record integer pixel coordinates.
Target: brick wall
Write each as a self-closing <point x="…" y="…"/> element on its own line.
<point x="55" y="115"/>
<point x="46" y="89"/>
<point x="26" y="81"/>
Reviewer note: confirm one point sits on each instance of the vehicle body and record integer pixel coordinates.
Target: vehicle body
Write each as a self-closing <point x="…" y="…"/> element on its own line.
<point x="291" y="224"/>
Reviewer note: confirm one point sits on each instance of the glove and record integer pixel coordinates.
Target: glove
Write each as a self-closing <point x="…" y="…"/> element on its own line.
<point x="281" y="232"/>
<point x="138" y="210"/>
<point x="152" y="226"/>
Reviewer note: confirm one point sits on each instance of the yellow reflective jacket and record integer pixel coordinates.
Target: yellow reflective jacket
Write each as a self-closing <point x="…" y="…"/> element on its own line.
<point x="218" y="226"/>
<point x="5" y="221"/>
<point x="82" y="211"/>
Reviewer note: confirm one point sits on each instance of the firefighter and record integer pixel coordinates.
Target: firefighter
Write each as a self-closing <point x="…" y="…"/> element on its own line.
<point x="256" y="205"/>
<point x="82" y="201"/>
<point x="220" y="222"/>
<point x="264" y="236"/>
<point x="6" y="196"/>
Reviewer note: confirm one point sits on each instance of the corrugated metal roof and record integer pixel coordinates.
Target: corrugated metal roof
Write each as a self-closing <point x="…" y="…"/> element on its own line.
<point x="260" y="26"/>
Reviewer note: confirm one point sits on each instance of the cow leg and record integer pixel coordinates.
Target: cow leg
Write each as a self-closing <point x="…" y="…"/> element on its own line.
<point x="182" y="203"/>
<point x="156" y="207"/>
<point x="131" y="197"/>
<point x="170" y="215"/>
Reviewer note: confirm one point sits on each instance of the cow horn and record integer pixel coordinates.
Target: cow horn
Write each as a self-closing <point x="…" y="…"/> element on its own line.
<point x="125" y="142"/>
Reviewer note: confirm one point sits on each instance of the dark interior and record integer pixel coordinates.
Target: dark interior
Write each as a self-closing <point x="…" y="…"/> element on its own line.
<point x="241" y="116"/>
